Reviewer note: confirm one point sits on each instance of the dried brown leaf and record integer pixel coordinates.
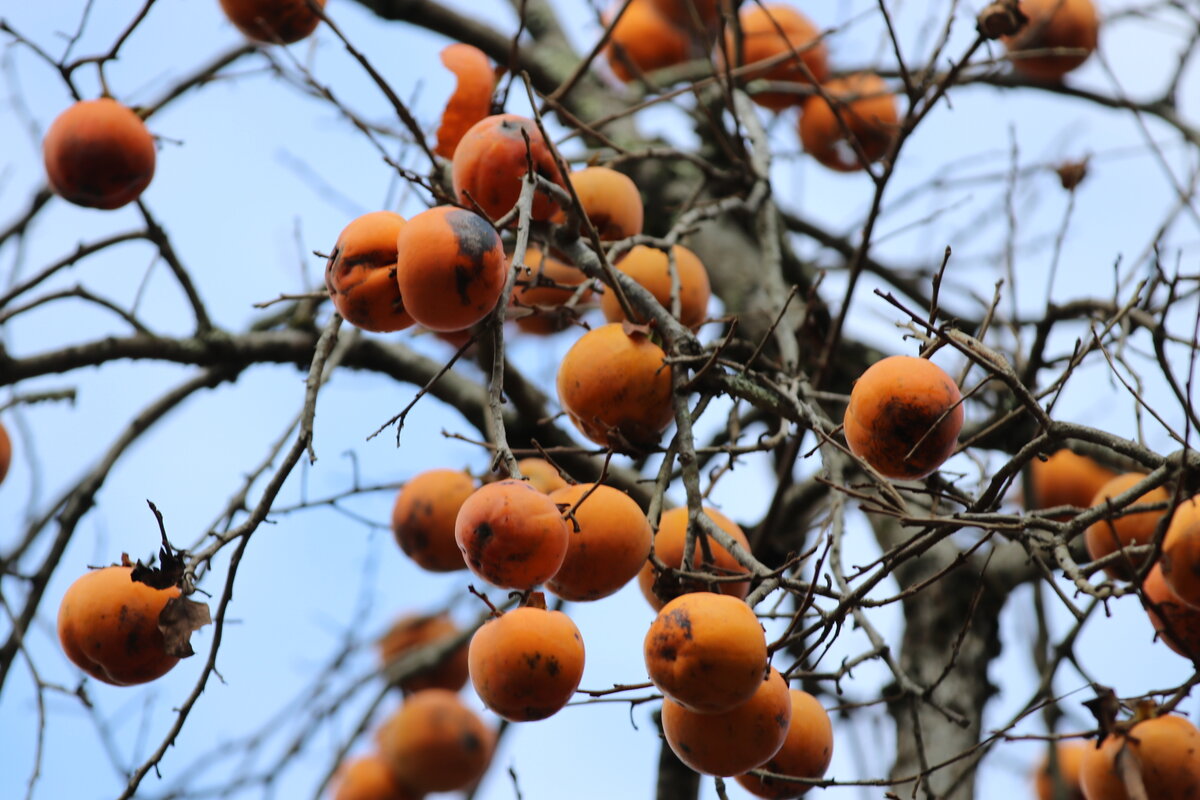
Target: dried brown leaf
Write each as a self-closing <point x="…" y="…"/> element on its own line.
<point x="178" y="620"/>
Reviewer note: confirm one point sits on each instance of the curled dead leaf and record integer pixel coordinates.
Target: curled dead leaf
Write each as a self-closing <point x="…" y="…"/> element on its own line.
<point x="179" y="619"/>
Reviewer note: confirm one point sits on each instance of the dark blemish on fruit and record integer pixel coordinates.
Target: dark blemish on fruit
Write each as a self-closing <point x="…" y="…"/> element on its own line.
<point x="474" y="235"/>
<point x="552" y="666"/>
<point x="680" y="619"/>
<point x="532" y="659"/>
<point x="668" y="653"/>
<point x="471" y="742"/>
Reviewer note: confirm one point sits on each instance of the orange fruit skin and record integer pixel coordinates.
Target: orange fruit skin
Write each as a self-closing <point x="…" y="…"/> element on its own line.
<point x="490" y="162"/>
<point x="1184" y="634"/>
<point x="527" y="663"/>
<point x="613" y="381"/>
<point x="647" y="39"/>
<point x="369" y="778"/>
<point x="271" y="21"/>
<point x="5" y="453"/>
<point x="511" y="535"/>
<point x="472" y="98"/>
<point x="361" y="273"/>
<point x="1168" y="751"/>
<point x="544" y="300"/>
<point x="651" y="268"/>
<point x="610" y="547"/>
<point x="896" y="402"/>
<point x="806" y="752"/>
<point x="734" y="741"/>
<point x="1066" y="479"/>
<point x="868" y="112"/>
<point x="424" y="514"/>
<point x="668" y="547"/>
<point x="450" y="268"/>
<point x="761" y="40"/>
<point x="686" y="13"/>
<point x="1107" y="536"/>
<point x="611" y="201"/>
<point x="1054" y="24"/>
<point x="434" y="743"/>
<point x="108" y="626"/>
<point x="707" y="652"/>
<point x="541" y="474"/>
<point x="1070" y="756"/>
<point x="98" y="154"/>
<point x="414" y="631"/>
<point x="1181" y="552"/>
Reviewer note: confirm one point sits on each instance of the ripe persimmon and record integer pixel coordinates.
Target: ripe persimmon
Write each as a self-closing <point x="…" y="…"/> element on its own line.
<point x="806" y="752"/>
<point x="643" y="40"/>
<point x="1167" y="752"/>
<point x="527" y="663"/>
<point x="668" y="548"/>
<point x="1176" y="623"/>
<point x="491" y="160"/>
<point x="607" y="545"/>
<point x="1181" y="552"/>
<point x="5" y="452"/>
<point x="108" y="626"/>
<point x="616" y="387"/>
<point x="369" y="777"/>
<point x="550" y="284"/>
<point x="472" y="98"/>
<point x="1068" y="25"/>
<point x="434" y="743"/>
<point x="450" y="268"/>
<point x="511" y="535"/>
<point x="98" y="154"/>
<point x="273" y="21"/>
<point x="361" y="273"/>
<point x="688" y="14"/>
<point x="1066" y="479"/>
<point x="734" y="741"/>
<point x="904" y="417"/>
<point x="761" y="27"/>
<point x="863" y="113"/>
<point x="651" y="268"/>
<point x="1068" y="757"/>
<point x="611" y="201"/>
<point x="424" y="514"/>
<point x="415" y="631"/>
<point x="1106" y="536"/>
<point x="707" y="652"/>
<point x="541" y="473"/>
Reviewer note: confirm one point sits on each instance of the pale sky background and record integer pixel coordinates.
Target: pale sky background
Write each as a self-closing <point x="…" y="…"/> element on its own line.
<point x="253" y="176"/>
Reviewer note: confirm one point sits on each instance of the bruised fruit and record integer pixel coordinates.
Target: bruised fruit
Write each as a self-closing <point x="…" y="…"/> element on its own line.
<point x="511" y="535"/>
<point x="361" y="273"/>
<point x="423" y="518"/>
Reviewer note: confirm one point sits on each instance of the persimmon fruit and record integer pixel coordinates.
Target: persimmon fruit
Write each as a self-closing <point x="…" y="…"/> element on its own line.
<point x="1066" y="479"/>
<point x="1167" y="752"/>
<point x="735" y="741"/>
<point x="761" y="27"/>
<point x="611" y="201"/>
<point x="1068" y="757"/>
<point x="5" y="453"/>
<point x="1068" y="25"/>
<point x="607" y="545"/>
<point x="414" y="631"/>
<point x="1106" y="536"/>
<point x="1181" y="552"/>
<point x="541" y="474"/>
<point x="472" y="99"/>
<point x="651" y="268"/>
<point x="98" y="154"/>
<point x="434" y="743"/>
<point x="806" y="752"/>
<point x="643" y="41"/>
<point x="369" y="777"/>
<point x="687" y="14"/>
<point x="272" y="21"/>
<point x="707" y="652"/>
<point x="616" y="387"/>
<point x="668" y="548"/>
<point x="550" y="284"/>
<point x="108" y="626"/>
<point x="450" y="268"/>
<point x="423" y="518"/>
<point x="863" y="113"/>
<point x="904" y="417"/>
<point x="511" y="535"/>
<point x="1176" y="622"/>
<point x="360" y="274"/>
<point x="527" y="663"/>
<point x="491" y="161"/>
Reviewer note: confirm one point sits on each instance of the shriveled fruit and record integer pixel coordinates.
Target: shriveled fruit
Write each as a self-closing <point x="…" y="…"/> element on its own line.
<point x="616" y="387"/>
<point x="550" y="284"/>
<point x="511" y="535"/>
<point x="424" y="514"/>
<point x="1181" y="552"/>
<point x="761" y="27"/>
<point x="271" y="21"/>
<point x="434" y="743"/>
<point x="904" y="417"/>
<point x="806" y="752"/>
<point x="412" y="632"/>
<point x="1068" y="25"/>
<point x="491" y="160"/>
<point x="1107" y="536"/>
<point x="108" y="626"/>
<point x="860" y="124"/>
<point x="707" y="652"/>
<point x="361" y="273"/>
<point x="5" y="453"/>
<point x="1066" y="479"/>
<point x="98" y="154"/>
<point x="643" y="40"/>
<point x="651" y="268"/>
<point x="735" y="741"/>
<point x="1068" y="757"/>
<point x="609" y="547"/>
<point x="1177" y="623"/>
<point x="668" y="548"/>
<point x="611" y="201"/>
<point x="369" y="777"/>
<point x="450" y="268"/>
<point x="472" y="98"/>
<point x="527" y="663"/>
<point x="1165" y="750"/>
